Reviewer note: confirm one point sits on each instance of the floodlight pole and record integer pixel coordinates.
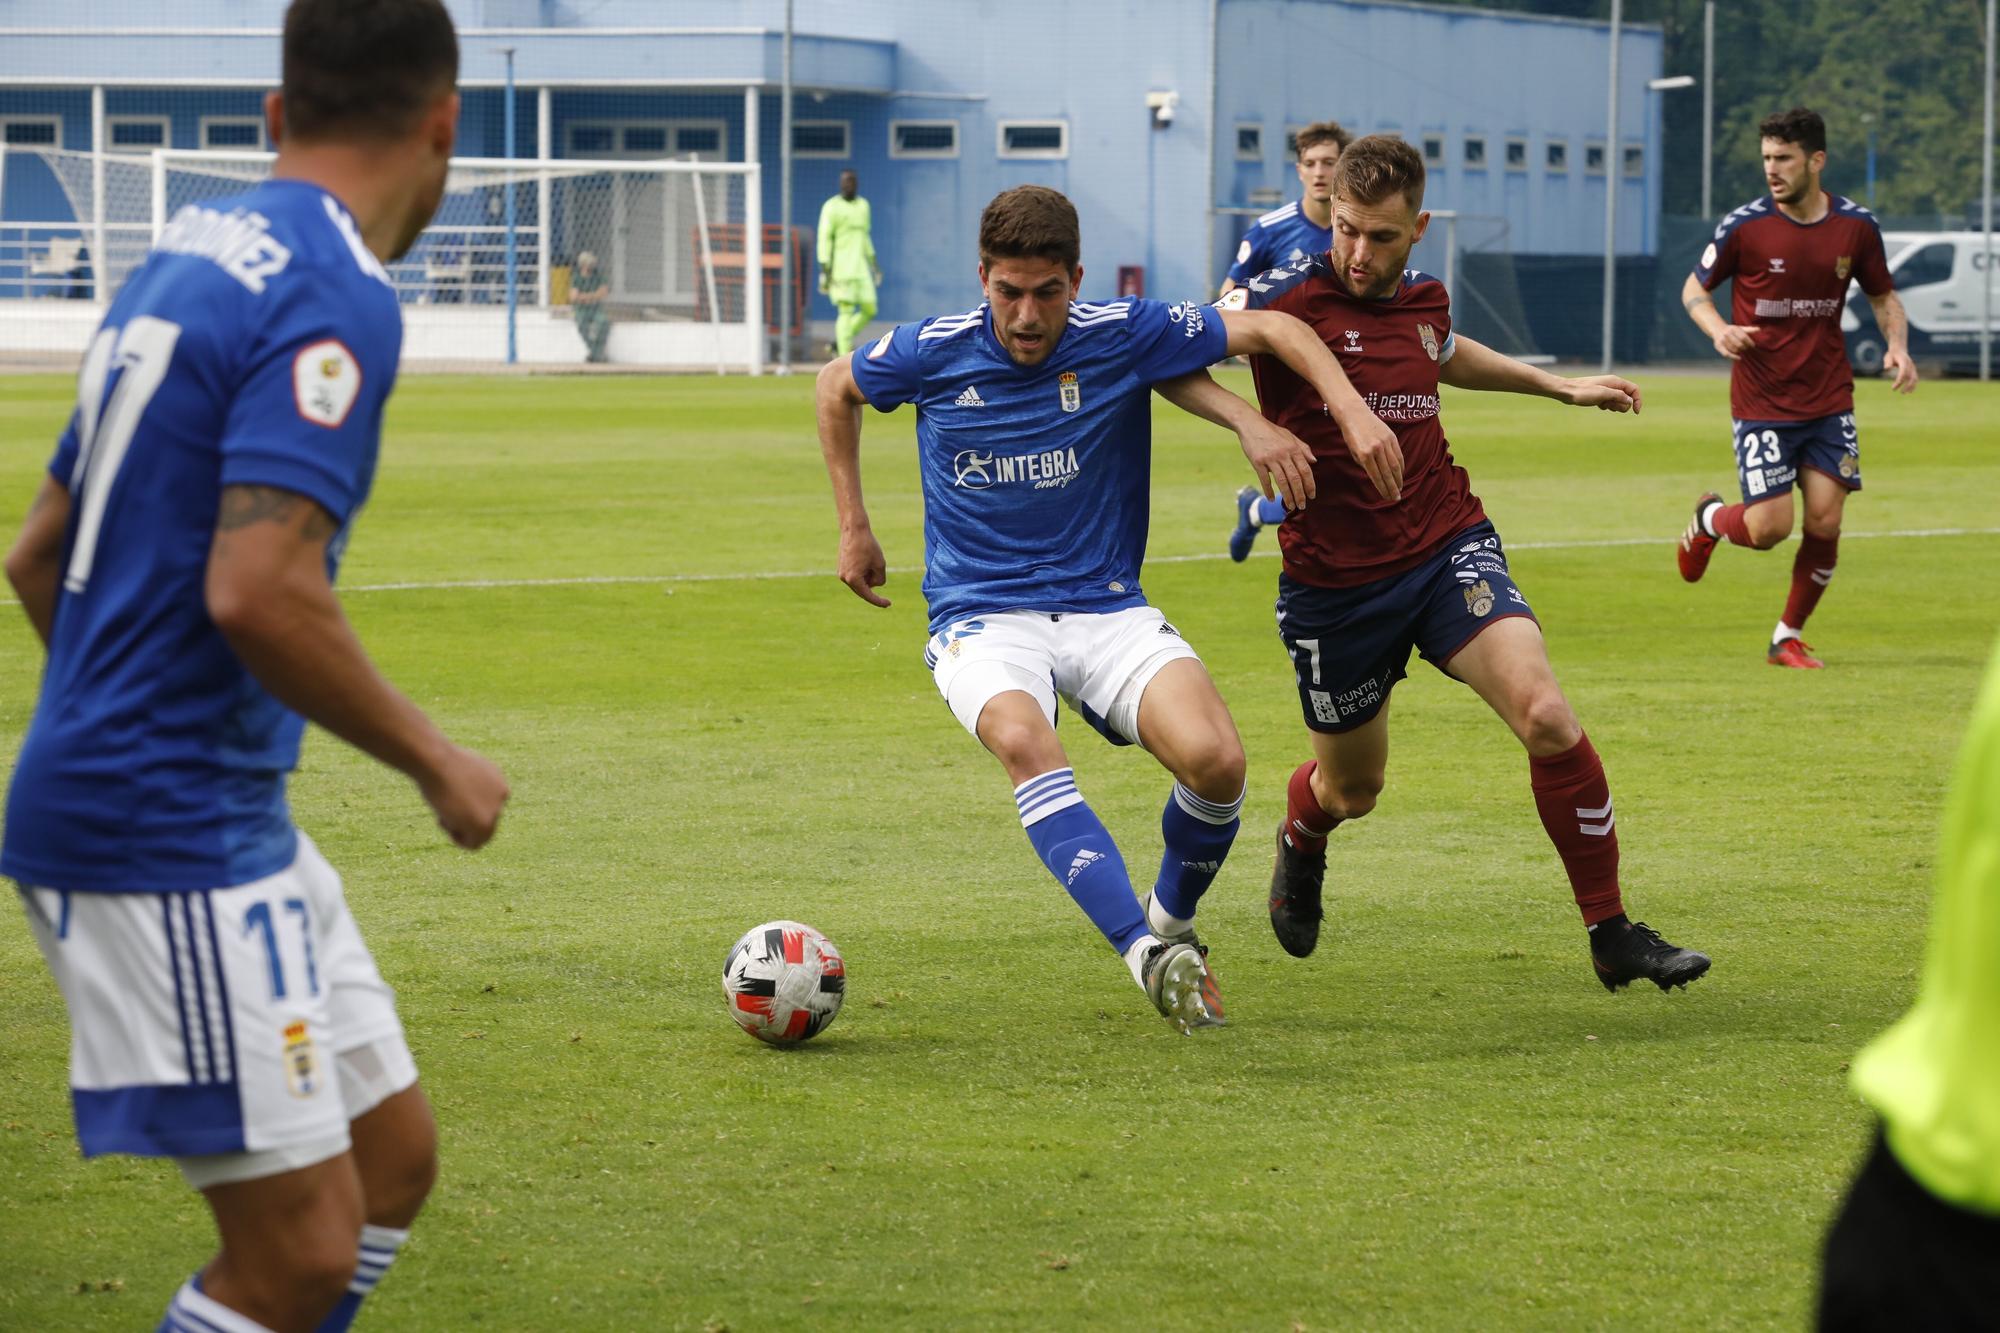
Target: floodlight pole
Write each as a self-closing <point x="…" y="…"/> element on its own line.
<point x="1708" y="105"/>
<point x="513" y="273"/>
<point x="786" y="281"/>
<point x="1613" y="171"/>
<point x="1986" y="212"/>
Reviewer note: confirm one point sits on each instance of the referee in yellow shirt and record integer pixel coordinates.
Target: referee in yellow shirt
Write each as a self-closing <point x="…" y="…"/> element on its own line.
<point x="1917" y="1244"/>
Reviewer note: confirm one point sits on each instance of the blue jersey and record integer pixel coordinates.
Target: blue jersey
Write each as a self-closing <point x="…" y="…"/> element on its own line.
<point x="255" y="346"/>
<point x="1282" y="236"/>
<point x="1036" y="478"/>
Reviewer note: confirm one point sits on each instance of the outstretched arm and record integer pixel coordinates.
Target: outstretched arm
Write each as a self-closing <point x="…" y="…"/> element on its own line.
<point x="267" y="592"/>
<point x="1369" y="439"/>
<point x="838" y="401"/>
<point x="1895" y="326"/>
<point x="1474" y="365"/>
<point x="34" y="564"/>
<point x="1278" y="456"/>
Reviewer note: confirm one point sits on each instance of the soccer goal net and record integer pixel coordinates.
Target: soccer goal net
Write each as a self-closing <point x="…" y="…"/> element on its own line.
<point x="670" y="274"/>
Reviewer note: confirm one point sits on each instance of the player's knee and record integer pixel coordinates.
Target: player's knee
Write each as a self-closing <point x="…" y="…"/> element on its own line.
<point x="1216" y="770"/>
<point x="1768" y="525"/>
<point x="1346" y="795"/>
<point x="1547" y="724"/>
<point x="312" y="1271"/>
<point x="397" y="1188"/>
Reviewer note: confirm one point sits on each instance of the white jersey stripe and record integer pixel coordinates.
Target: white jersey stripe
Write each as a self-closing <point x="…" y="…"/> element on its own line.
<point x="187" y="987"/>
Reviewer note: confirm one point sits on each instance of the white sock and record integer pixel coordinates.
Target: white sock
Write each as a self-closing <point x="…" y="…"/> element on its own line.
<point x="1783" y="632"/>
<point x="1708" y="513"/>
<point x="195" y="1311"/>
<point x="1135" y="957"/>
<point x="1162" y="924"/>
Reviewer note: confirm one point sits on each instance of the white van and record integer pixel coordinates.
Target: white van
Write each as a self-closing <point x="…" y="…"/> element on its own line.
<point x="1940" y="276"/>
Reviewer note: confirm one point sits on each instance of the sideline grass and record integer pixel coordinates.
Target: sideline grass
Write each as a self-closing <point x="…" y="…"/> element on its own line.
<point x="1440" y="1120"/>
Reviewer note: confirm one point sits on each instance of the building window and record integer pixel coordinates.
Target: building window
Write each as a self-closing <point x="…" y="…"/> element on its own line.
<point x="1593" y="159"/>
<point x="31" y="132"/>
<point x="1517" y="154"/>
<point x="1434" y="150"/>
<point x="1556" y="155"/>
<point x="1475" y="151"/>
<point x="703" y="139"/>
<point x="1034" y="138"/>
<point x="923" y="138"/>
<point x="650" y="139"/>
<point x="1249" y="143"/>
<point x="1635" y="160"/>
<point x="232" y="132"/>
<point x="136" y="134"/>
<point x="819" y="138"/>
<point x="585" y="140"/>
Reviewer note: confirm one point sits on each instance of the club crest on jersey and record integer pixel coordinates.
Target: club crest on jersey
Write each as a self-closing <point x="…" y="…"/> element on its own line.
<point x="1847" y="467"/>
<point x="301" y="1060"/>
<point x="1843" y="266"/>
<point x="1353" y="337"/>
<point x="1066" y="387"/>
<point x="1479" y="598"/>
<point x="1429" y="338"/>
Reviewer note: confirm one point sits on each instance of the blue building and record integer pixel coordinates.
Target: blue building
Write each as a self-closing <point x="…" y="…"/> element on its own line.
<point x="1165" y="120"/>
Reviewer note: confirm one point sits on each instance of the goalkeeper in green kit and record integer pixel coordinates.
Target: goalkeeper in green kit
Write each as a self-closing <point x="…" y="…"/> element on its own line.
<point x="847" y="271"/>
<point x="1917" y="1244"/>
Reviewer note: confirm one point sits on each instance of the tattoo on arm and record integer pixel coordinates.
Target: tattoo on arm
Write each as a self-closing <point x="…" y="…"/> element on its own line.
<point x="244" y="505"/>
<point x="1698" y="299"/>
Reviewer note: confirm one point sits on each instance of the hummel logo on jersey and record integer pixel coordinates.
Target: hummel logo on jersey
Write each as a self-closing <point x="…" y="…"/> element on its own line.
<point x="1778" y="264"/>
<point x="1083" y="861"/>
<point x="970" y="398"/>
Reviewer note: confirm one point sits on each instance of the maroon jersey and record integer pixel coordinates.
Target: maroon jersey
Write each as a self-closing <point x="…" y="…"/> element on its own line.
<point x="1391" y="349"/>
<point x="1791" y="281"/>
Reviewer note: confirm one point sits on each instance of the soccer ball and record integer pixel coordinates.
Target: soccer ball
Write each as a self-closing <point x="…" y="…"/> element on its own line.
<point x="784" y="982"/>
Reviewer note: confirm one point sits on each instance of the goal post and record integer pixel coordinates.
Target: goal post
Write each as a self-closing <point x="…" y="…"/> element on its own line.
<point x="683" y="269"/>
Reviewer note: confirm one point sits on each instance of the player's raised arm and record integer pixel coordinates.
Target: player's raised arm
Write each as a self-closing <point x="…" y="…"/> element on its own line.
<point x="1368" y="437"/>
<point x="1895" y="326"/>
<point x="1275" y="454"/>
<point x="267" y="592"/>
<point x="838" y="401"/>
<point x="1473" y="365"/>
<point x="34" y="563"/>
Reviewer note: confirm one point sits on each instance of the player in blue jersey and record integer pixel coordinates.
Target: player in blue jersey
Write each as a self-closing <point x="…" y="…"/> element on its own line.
<point x="1286" y="235"/>
<point x="178" y="564"/>
<point x="1034" y="441"/>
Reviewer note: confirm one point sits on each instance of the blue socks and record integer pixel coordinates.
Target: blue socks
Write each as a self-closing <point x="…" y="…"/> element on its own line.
<point x="1198" y="834"/>
<point x="378" y="1251"/>
<point x="194" y="1311"/>
<point x="1074" y="845"/>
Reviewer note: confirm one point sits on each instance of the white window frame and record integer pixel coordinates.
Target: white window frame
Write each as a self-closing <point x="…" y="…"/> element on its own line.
<point x="7" y="122"/>
<point x="1002" y="150"/>
<point x="1602" y="164"/>
<point x="932" y="153"/>
<point x="1465" y="144"/>
<point x="1507" y="147"/>
<point x="1631" y="168"/>
<point x="207" y="121"/>
<point x="1256" y="129"/>
<point x="667" y="127"/>
<point x="1556" y="168"/>
<point x="112" y="123"/>
<point x="1432" y="161"/>
<point x="846" y="139"/>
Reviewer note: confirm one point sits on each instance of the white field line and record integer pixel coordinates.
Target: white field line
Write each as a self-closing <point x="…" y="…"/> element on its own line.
<point x="760" y="576"/>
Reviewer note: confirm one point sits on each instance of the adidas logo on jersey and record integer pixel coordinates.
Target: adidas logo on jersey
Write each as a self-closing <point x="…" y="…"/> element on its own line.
<point x="1083" y="861"/>
<point x="970" y="398"/>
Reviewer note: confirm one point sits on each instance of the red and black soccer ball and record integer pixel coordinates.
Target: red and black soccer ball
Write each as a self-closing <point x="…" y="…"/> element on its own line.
<point x="784" y="982"/>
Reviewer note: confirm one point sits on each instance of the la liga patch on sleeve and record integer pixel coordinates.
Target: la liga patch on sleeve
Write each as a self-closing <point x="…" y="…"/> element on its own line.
<point x="326" y="379"/>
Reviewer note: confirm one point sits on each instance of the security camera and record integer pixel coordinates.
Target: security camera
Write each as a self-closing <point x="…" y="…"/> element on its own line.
<point x="1163" y="115"/>
<point x="1162" y="105"/>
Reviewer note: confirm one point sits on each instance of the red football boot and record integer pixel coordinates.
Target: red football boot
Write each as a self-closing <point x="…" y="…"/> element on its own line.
<point x="1696" y="545"/>
<point x="1793" y="653"/>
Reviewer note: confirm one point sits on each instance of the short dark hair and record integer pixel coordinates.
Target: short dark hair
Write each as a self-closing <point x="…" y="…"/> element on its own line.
<point x="1800" y="125"/>
<point x="1030" y="222"/>
<point x="1373" y="168"/>
<point x="365" y="69"/>
<point x="1319" y="132"/>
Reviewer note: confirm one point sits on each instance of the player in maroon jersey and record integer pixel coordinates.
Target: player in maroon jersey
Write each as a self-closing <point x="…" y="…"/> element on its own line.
<point x="1791" y="393"/>
<point x="1372" y="572"/>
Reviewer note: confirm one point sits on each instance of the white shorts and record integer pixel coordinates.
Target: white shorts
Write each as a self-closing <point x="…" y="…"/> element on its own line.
<point x="1099" y="663"/>
<point x="230" y="1028"/>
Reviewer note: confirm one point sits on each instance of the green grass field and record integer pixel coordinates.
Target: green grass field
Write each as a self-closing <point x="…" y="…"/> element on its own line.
<point x="1438" y="1121"/>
